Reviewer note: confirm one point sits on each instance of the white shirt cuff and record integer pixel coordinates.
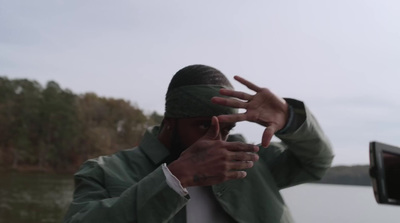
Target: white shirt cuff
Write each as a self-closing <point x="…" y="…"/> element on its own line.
<point x="173" y="182"/>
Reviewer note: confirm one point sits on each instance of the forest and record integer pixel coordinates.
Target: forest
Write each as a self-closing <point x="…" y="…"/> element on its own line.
<point x="47" y="128"/>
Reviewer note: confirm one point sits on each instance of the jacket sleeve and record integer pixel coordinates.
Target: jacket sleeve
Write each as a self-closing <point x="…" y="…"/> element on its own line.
<point x="148" y="200"/>
<point x="304" y="154"/>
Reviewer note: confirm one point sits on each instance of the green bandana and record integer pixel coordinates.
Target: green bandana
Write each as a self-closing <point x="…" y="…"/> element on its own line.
<point x="195" y="101"/>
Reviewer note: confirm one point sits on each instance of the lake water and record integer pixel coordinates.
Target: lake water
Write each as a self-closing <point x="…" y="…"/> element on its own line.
<point x="37" y="198"/>
<point x="34" y="198"/>
<point x="316" y="203"/>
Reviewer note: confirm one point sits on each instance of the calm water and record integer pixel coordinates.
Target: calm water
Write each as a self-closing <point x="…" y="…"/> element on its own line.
<point x="36" y="198"/>
<point x="315" y="203"/>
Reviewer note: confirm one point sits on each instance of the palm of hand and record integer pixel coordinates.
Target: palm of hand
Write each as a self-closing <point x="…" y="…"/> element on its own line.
<point x="264" y="108"/>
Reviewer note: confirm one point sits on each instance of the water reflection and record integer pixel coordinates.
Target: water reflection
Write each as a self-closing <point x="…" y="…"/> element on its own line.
<point x="34" y="198"/>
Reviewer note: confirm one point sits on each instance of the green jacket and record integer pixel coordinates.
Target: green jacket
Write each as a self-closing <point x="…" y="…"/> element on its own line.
<point x="130" y="185"/>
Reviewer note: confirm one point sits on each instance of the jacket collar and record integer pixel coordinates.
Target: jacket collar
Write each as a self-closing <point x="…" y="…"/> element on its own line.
<point x="152" y="147"/>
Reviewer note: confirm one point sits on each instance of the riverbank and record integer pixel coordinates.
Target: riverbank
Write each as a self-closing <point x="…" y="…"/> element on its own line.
<point x="36" y="169"/>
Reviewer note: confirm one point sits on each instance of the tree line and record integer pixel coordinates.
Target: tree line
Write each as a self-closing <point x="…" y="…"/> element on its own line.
<point x="47" y="127"/>
<point x="50" y="128"/>
<point x="348" y="175"/>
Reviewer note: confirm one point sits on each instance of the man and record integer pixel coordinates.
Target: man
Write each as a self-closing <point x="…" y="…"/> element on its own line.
<point x="190" y="170"/>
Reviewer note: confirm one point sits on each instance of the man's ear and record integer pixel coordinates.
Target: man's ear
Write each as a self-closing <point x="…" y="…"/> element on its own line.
<point x="166" y="132"/>
<point x="168" y="124"/>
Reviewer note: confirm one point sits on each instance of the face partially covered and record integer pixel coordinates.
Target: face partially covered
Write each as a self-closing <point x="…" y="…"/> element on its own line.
<point x="189" y="130"/>
<point x="189" y="109"/>
<point x="184" y="132"/>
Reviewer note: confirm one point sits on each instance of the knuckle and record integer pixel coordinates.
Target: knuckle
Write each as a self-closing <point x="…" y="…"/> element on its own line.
<point x="225" y="176"/>
<point x="245" y="165"/>
<point x="225" y="168"/>
<point x="218" y="143"/>
<point x="224" y="158"/>
<point x="239" y="145"/>
<point x="250" y="157"/>
<point x="222" y="153"/>
<point x="240" y="156"/>
<point x="250" y="164"/>
<point x="265" y="90"/>
<point x="240" y="174"/>
<point x="256" y="157"/>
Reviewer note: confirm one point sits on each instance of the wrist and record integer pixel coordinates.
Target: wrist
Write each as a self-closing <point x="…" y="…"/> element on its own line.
<point x="173" y="182"/>
<point x="180" y="173"/>
<point x="289" y="116"/>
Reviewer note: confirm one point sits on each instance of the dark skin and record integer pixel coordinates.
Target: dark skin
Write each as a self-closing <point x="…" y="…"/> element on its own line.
<point x="206" y="157"/>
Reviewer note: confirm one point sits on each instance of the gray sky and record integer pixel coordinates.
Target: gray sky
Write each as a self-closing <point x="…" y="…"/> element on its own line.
<point x="340" y="57"/>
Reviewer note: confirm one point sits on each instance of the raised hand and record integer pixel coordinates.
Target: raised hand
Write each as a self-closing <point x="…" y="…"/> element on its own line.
<point x="210" y="160"/>
<point x="264" y="108"/>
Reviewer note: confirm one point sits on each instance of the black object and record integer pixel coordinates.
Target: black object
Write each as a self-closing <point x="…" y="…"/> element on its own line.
<point x="385" y="172"/>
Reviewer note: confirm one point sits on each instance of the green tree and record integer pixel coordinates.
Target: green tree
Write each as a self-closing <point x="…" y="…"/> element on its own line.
<point x="155" y="119"/>
<point x="6" y="119"/>
<point x="50" y="127"/>
<point x="22" y="112"/>
<point x="109" y="125"/>
<point x="60" y="126"/>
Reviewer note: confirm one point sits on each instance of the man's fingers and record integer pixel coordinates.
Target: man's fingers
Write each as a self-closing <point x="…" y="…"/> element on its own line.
<point x="213" y="131"/>
<point x="235" y="175"/>
<point x="229" y="102"/>
<point x="248" y="84"/>
<point x="240" y="147"/>
<point x="235" y="166"/>
<point x="236" y="94"/>
<point x="267" y="136"/>
<point x="232" y="118"/>
<point x="244" y="156"/>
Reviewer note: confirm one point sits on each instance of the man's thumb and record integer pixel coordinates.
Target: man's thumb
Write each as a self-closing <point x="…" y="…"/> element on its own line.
<point x="267" y="136"/>
<point x="213" y="131"/>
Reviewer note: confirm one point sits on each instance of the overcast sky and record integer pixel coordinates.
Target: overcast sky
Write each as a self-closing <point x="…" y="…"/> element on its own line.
<point x="342" y="58"/>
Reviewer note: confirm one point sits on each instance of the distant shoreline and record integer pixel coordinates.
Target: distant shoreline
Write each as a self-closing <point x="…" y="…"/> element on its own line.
<point x="348" y="175"/>
<point x="35" y="169"/>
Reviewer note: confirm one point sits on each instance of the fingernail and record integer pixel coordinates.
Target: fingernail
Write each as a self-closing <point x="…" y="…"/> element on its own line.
<point x="256" y="148"/>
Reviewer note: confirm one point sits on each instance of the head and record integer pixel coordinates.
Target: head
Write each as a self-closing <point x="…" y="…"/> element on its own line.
<point x="188" y="107"/>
